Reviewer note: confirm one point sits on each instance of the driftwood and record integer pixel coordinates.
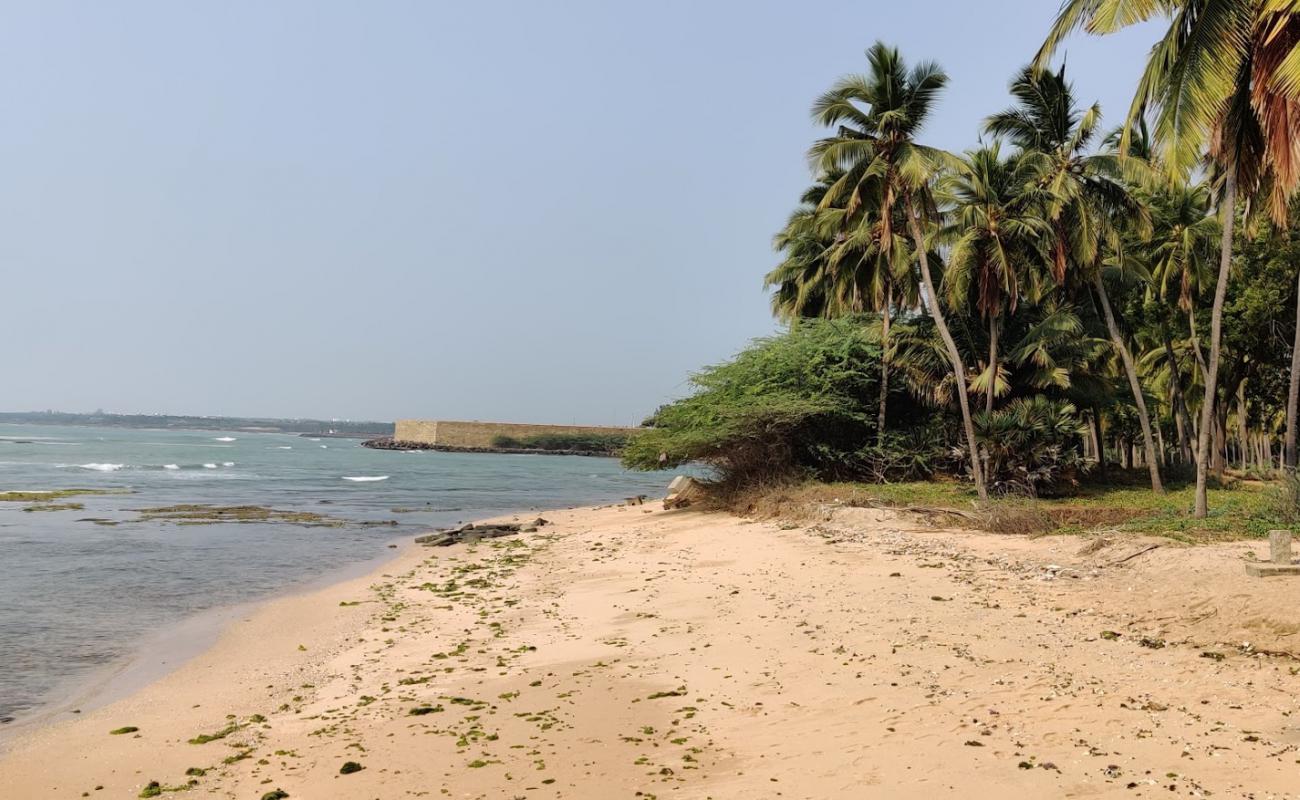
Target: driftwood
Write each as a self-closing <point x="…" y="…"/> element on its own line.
<point x="1134" y="555"/>
<point x="472" y="533"/>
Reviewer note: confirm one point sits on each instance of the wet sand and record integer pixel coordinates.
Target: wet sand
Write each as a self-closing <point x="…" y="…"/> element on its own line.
<point x="632" y="652"/>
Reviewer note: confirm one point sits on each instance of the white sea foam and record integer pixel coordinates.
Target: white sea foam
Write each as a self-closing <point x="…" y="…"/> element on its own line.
<point x="224" y="439"/>
<point x="365" y="478"/>
<point x="283" y="447"/>
<point x="171" y="466"/>
<point x="227" y="463"/>
<point x="209" y="466"/>
<point x="103" y="467"/>
<point x="324" y="447"/>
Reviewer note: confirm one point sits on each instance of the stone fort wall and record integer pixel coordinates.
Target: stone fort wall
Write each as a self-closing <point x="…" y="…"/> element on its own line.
<point x="446" y="433"/>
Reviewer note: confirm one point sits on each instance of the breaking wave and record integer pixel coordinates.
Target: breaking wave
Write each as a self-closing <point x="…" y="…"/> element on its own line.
<point x="365" y="478"/>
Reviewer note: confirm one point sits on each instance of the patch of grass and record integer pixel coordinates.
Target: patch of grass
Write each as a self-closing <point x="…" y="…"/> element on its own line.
<point x="1123" y="502"/>
<point x="123" y="730"/>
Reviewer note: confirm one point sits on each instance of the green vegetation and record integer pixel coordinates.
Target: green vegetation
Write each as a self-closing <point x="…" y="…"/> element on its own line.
<point x="1038" y="317"/>
<point x="204" y="738"/>
<point x="350" y="767"/>
<point x="607" y="443"/>
<point x="192" y="514"/>
<point x="55" y="507"/>
<point x="53" y="494"/>
<point x="1121" y="503"/>
<point x="121" y="731"/>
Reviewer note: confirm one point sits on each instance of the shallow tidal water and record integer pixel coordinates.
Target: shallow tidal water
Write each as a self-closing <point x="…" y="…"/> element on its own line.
<point x="77" y="597"/>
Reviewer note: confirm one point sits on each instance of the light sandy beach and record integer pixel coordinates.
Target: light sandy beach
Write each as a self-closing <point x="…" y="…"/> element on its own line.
<point x="630" y="652"/>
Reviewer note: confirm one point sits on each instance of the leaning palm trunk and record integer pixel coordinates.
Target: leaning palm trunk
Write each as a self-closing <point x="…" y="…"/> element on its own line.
<point x="954" y="356"/>
<point x="1216" y="328"/>
<point x="884" y="371"/>
<point x="1148" y="443"/>
<point x="1289" y="454"/>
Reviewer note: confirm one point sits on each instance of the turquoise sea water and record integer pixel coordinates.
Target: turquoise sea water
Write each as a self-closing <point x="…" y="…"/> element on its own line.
<point x="76" y="596"/>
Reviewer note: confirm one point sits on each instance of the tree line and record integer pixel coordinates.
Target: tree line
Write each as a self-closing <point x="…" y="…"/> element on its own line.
<point x="1060" y="285"/>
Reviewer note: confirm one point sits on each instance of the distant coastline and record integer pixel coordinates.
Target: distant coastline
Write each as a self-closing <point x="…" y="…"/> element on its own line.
<point x="313" y="427"/>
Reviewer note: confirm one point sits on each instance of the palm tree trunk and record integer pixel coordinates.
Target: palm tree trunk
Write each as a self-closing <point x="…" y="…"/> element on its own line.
<point x="1196" y="342"/>
<point x="1181" y="418"/>
<point x="954" y="356"/>
<point x="1099" y="440"/>
<point x="1242" y="433"/>
<point x="1293" y="395"/>
<point x="1228" y="212"/>
<point x="993" y="364"/>
<point x="1148" y="442"/>
<point x="884" y="370"/>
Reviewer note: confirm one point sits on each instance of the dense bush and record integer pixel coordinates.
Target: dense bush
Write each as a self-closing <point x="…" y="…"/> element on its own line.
<point x="801" y="402"/>
<point x="1030" y="445"/>
<point x="610" y="443"/>
<point x="804" y="404"/>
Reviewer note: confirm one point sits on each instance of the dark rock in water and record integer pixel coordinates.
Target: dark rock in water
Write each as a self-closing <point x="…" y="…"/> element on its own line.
<point x="473" y="533"/>
<point x="389" y="443"/>
<point x="6" y="720"/>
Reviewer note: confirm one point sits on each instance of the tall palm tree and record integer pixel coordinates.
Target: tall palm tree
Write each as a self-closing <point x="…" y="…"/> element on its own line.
<point x="836" y="265"/>
<point x="877" y="118"/>
<point x="997" y="232"/>
<point x="1224" y="77"/>
<point x="1088" y="206"/>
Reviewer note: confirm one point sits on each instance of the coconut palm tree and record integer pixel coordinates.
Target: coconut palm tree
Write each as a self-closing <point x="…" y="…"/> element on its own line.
<point x="997" y="231"/>
<point x="1088" y="204"/>
<point x="877" y="118"/>
<point x="1224" y="78"/>
<point x="836" y="266"/>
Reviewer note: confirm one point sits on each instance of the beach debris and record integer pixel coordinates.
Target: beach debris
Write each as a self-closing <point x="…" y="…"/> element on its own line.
<point x="122" y="731"/>
<point x="350" y="767"/>
<point x="278" y="794"/>
<point x="682" y="492"/>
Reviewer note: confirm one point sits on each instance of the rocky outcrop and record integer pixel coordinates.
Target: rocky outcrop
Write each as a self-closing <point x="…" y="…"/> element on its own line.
<point x="389" y="443"/>
<point x="475" y="532"/>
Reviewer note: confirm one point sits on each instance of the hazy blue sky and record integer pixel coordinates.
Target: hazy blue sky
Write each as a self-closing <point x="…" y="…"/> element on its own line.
<point x="514" y="210"/>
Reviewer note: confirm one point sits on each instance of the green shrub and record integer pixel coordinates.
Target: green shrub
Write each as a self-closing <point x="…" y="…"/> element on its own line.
<point x="610" y="443"/>
<point x="1030" y="444"/>
<point x="800" y="402"/>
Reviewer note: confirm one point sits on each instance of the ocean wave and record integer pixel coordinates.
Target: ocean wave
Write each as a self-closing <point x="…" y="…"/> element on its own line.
<point x="281" y="447"/>
<point x="224" y="439"/>
<point x="365" y="478"/>
<point x="227" y="463"/>
<point x="209" y="466"/>
<point x="171" y="466"/>
<point x="103" y="467"/>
